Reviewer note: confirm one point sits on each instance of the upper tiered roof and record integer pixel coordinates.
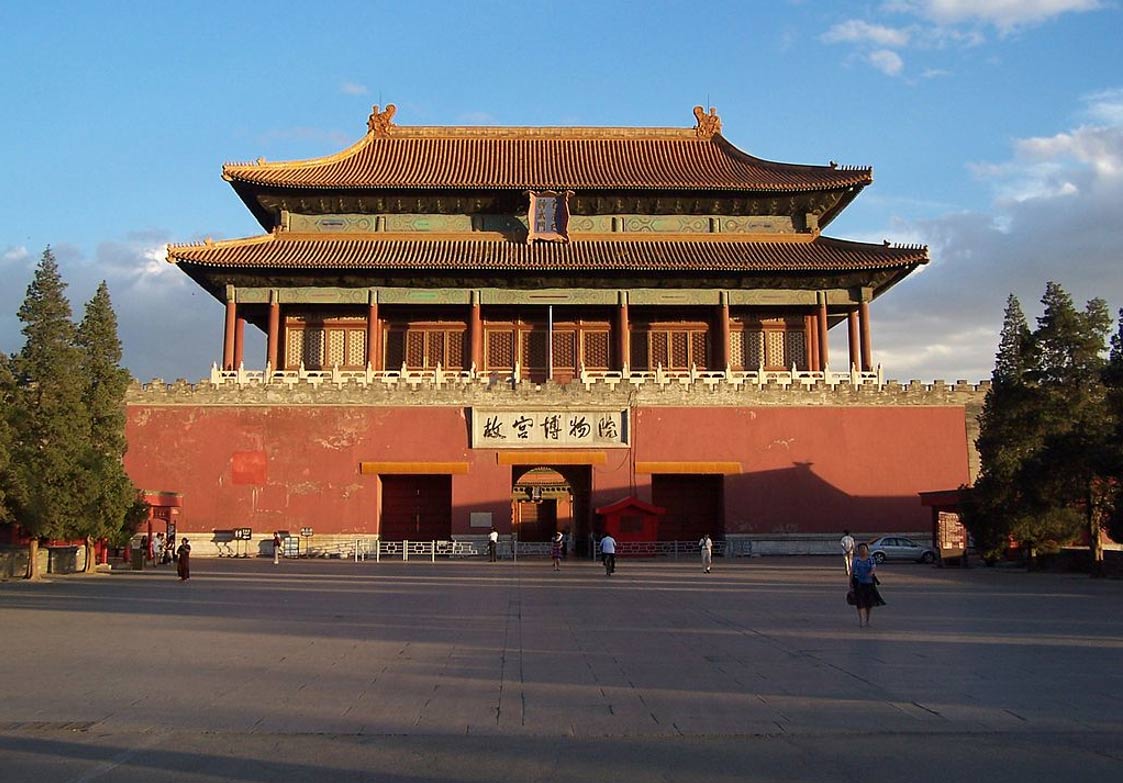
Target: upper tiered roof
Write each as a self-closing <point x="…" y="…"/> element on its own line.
<point x="396" y="158"/>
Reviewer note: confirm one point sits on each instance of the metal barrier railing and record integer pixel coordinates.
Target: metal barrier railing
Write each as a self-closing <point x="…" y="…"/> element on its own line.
<point x="362" y="549"/>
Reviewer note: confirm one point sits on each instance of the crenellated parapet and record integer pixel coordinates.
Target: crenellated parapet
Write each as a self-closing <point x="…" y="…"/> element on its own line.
<point x="492" y="391"/>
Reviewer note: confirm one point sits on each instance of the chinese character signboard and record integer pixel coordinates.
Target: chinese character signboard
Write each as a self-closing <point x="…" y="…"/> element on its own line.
<point x="548" y="216"/>
<point x="514" y="429"/>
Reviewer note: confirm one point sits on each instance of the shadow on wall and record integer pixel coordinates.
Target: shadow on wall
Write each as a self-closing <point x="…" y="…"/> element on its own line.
<point x="797" y="500"/>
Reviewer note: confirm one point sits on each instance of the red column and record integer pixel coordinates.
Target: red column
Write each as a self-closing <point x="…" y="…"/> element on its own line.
<point x="239" y="342"/>
<point x="724" y="360"/>
<point x="476" y="332"/>
<point x="623" y="333"/>
<point x="864" y="324"/>
<point x="374" y="335"/>
<point x="852" y="339"/>
<point x="274" y="337"/>
<point x="228" y="335"/>
<point x="811" y="332"/>
<point x="824" y="354"/>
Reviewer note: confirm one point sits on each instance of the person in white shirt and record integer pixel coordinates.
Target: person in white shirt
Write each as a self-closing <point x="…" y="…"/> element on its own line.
<point x="706" y="545"/>
<point x="847" y="544"/>
<point x="608" y="552"/>
<point x="492" y="545"/>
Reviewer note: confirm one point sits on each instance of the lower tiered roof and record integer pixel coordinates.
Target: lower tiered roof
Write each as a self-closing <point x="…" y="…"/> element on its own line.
<point x="780" y="253"/>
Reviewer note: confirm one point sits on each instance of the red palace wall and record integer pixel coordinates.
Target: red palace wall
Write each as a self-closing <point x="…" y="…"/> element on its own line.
<point x="801" y="469"/>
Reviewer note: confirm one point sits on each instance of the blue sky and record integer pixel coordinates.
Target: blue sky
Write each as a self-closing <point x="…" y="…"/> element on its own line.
<point x="995" y="130"/>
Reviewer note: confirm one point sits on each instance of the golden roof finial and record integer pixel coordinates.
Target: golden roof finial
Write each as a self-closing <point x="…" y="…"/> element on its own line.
<point x="708" y="124"/>
<point x="380" y="123"/>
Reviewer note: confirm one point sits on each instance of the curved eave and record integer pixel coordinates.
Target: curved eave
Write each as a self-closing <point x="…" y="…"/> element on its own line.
<point x="517" y="159"/>
<point x="647" y="254"/>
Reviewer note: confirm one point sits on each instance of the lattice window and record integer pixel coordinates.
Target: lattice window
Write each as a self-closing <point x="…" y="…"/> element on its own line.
<point x="435" y="352"/>
<point x="754" y="349"/>
<point x="415" y="349"/>
<point x="659" y="349"/>
<point x="596" y="354"/>
<point x="356" y="348"/>
<point x="500" y="350"/>
<point x="565" y="349"/>
<point x="796" y="349"/>
<point x="456" y="350"/>
<point x="336" y="343"/>
<point x="313" y="355"/>
<point x="640" y="355"/>
<point x="395" y="348"/>
<point x="534" y="349"/>
<point x="699" y="350"/>
<point x="680" y="349"/>
<point x="774" y="350"/>
<point x="294" y="348"/>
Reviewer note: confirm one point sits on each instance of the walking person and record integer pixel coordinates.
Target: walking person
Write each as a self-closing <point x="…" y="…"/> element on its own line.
<point x="847" y="544"/>
<point x="183" y="564"/>
<point x="706" y="546"/>
<point x="276" y="548"/>
<point x="492" y="545"/>
<point x="864" y="583"/>
<point x="556" y="550"/>
<point x="608" y="553"/>
<point x="158" y="550"/>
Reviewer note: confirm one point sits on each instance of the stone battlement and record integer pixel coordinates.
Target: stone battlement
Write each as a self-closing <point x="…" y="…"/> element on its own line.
<point x="709" y="389"/>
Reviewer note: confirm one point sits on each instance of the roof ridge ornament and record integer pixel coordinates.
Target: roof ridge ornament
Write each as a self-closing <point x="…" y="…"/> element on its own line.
<point x="380" y="122"/>
<point x="708" y="125"/>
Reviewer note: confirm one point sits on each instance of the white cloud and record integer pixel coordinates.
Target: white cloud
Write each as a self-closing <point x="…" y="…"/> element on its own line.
<point x="1054" y="217"/>
<point x="886" y="61"/>
<point x="166" y="323"/>
<point x="353" y="88"/>
<point x="15" y="254"/>
<point x="1004" y="15"/>
<point x="857" y="31"/>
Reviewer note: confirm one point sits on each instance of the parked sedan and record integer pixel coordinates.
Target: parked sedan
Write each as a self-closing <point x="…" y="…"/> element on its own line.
<point x="900" y="548"/>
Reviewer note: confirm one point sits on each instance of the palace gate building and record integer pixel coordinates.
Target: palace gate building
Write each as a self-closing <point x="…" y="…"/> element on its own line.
<point x="478" y="326"/>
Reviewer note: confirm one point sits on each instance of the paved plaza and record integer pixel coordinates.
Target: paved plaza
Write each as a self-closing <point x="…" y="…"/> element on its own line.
<point x="469" y="671"/>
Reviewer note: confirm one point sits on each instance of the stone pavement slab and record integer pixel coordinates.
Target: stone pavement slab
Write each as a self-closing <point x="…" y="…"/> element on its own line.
<point x="327" y="670"/>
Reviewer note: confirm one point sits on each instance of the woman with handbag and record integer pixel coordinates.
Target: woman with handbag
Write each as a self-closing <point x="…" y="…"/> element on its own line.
<point x="863" y="582"/>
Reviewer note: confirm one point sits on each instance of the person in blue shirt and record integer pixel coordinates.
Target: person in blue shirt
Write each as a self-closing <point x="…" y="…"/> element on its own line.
<point x="863" y="581"/>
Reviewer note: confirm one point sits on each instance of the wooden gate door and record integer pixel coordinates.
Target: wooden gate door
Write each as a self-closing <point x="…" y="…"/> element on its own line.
<point x="416" y="508"/>
<point x="694" y="504"/>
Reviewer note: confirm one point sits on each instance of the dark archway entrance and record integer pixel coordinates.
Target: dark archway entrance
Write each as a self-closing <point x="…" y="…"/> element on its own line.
<point x="547" y="498"/>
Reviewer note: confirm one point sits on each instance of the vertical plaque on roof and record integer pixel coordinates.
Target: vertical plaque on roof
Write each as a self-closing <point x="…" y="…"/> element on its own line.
<point x="548" y="217"/>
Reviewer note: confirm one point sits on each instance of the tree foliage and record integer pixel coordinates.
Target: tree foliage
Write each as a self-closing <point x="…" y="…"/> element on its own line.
<point x="51" y="424"/>
<point x="104" y="383"/>
<point x="7" y="389"/>
<point x="65" y="420"/>
<point x="1047" y="430"/>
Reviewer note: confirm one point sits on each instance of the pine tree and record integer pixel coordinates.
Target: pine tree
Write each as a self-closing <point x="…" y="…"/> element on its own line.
<point x="110" y="493"/>
<point x="1067" y="476"/>
<point x="1113" y="380"/>
<point x="1047" y="431"/>
<point x="7" y="388"/>
<point x="51" y="426"/>
<point x="996" y="504"/>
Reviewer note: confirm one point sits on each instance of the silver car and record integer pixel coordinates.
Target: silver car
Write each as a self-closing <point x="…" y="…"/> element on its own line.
<point x="900" y="548"/>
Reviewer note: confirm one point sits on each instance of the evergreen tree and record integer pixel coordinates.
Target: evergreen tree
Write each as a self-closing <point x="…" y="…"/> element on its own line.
<point x="996" y="504"/>
<point x="1046" y="430"/>
<point x="1113" y="380"/>
<point x="110" y="493"/>
<point x="1067" y="476"/>
<point x="7" y="388"/>
<point x="51" y="426"/>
